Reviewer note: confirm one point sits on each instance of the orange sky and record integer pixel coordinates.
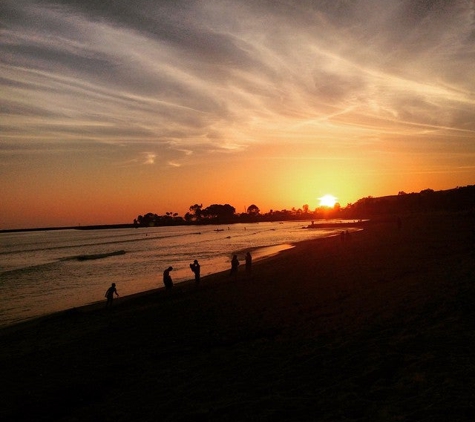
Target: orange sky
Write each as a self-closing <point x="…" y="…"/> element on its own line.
<point x="111" y="113"/>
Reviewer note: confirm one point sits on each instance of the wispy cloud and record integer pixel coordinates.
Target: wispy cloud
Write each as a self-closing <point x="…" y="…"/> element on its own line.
<point x="149" y="158"/>
<point x="182" y="69"/>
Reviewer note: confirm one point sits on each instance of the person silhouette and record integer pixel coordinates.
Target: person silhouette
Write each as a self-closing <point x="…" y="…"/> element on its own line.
<point x="110" y="294"/>
<point x="234" y="265"/>
<point x="248" y="263"/>
<point x="195" y="267"/>
<point x="167" y="279"/>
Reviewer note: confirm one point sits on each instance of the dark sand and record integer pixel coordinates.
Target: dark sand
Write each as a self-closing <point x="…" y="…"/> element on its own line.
<point x="377" y="328"/>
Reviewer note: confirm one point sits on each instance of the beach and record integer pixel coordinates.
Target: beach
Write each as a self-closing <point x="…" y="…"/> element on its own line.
<point x="51" y="271"/>
<point x="378" y="326"/>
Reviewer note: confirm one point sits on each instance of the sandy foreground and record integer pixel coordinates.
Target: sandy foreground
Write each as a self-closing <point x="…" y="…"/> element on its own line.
<point x="379" y="327"/>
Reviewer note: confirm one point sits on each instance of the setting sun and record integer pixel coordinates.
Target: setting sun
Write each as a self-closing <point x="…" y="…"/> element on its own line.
<point x="327" y="201"/>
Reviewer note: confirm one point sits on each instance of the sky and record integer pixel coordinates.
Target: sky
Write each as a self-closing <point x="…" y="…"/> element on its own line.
<point x="112" y="109"/>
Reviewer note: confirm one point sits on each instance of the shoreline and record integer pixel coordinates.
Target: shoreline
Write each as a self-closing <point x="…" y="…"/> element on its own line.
<point x="259" y="253"/>
<point x="185" y="285"/>
<point x="376" y="327"/>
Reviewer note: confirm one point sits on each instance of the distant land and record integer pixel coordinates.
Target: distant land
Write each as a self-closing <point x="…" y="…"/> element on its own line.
<point x="452" y="200"/>
<point x="93" y="227"/>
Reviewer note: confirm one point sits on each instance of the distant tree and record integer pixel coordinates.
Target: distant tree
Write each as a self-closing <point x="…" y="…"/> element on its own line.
<point x="195" y="214"/>
<point x="253" y="210"/>
<point x="148" y="220"/>
<point x="219" y="213"/>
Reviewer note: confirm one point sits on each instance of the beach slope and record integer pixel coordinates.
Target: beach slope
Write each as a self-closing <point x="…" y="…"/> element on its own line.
<point x="378" y="326"/>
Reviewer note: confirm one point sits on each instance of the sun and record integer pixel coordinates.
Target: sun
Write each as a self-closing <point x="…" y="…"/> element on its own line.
<point x="327" y="201"/>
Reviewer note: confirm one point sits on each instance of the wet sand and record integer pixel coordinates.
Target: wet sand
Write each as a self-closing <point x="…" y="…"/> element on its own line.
<point x="378" y="327"/>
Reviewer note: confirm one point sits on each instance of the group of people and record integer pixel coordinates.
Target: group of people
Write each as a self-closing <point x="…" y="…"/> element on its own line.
<point x="235" y="265"/>
<point x="195" y="268"/>
<point x="167" y="278"/>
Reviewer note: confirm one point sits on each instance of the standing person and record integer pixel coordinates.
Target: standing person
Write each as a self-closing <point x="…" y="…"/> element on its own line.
<point x="195" y="267"/>
<point x="248" y="264"/>
<point x="110" y="294"/>
<point x="234" y="266"/>
<point x="167" y="279"/>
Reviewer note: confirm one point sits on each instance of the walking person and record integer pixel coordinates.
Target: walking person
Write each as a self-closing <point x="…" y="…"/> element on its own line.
<point x="167" y="279"/>
<point x="195" y="267"/>
<point x="110" y="294"/>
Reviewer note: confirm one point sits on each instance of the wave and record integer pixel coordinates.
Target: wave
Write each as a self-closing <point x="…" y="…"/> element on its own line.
<point x="99" y="255"/>
<point x="47" y="265"/>
<point x="30" y="269"/>
<point x="144" y="238"/>
<point x="138" y="236"/>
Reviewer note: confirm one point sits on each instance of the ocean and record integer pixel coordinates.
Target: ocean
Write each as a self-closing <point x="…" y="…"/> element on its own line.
<point x="42" y="272"/>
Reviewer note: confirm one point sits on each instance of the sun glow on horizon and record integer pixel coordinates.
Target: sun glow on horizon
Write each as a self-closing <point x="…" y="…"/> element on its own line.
<point x="134" y="124"/>
<point x="327" y="201"/>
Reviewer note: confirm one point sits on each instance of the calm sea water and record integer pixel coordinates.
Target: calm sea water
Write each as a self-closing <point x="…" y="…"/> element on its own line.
<point x="45" y="271"/>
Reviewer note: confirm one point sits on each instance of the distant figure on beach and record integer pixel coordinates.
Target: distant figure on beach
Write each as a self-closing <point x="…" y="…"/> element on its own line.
<point x="234" y="265"/>
<point x="110" y="294"/>
<point x="248" y="264"/>
<point x="167" y="279"/>
<point x="345" y="235"/>
<point x="195" y="267"/>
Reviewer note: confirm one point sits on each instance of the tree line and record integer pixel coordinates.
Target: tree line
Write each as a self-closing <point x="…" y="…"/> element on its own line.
<point x="458" y="199"/>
